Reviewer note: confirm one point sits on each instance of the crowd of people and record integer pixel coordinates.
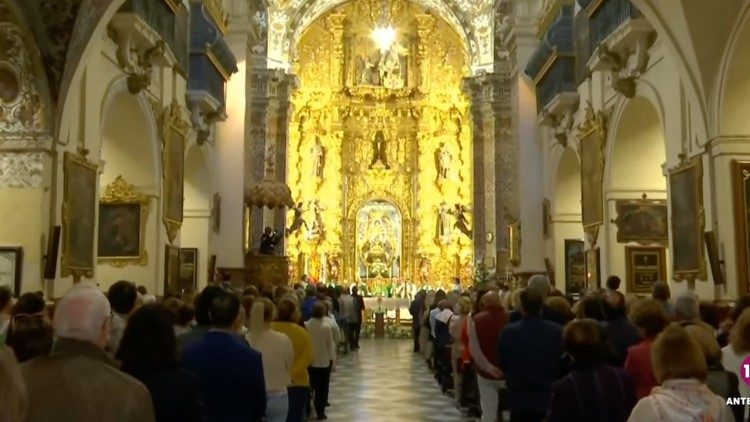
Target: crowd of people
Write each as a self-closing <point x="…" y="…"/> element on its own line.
<point x="124" y="355"/>
<point x="539" y="355"/>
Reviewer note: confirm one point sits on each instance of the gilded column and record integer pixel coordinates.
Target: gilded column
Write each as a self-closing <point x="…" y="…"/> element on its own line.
<point x="425" y="26"/>
<point x="335" y="22"/>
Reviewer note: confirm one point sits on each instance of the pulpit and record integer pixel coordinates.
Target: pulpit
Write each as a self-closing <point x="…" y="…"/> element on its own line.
<point x="267" y="270"/>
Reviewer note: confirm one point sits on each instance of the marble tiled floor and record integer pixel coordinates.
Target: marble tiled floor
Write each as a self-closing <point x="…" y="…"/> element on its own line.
<point x="385" y="381"/>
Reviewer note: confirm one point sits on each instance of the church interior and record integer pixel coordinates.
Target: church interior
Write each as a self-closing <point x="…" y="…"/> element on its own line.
<point x="389" y="144"/>
<point x="184" y="177"/>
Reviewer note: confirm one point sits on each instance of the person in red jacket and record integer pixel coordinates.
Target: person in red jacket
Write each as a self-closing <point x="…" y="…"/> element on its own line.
<point x="650" y="319"/>
<point x="484" y="331"/>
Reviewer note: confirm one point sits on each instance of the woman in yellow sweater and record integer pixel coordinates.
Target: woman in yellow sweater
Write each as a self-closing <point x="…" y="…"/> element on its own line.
<point x="287" y="322"/>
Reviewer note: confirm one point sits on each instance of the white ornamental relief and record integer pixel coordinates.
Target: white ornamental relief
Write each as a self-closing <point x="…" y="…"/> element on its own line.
<point x="21" y="107"/>
<point x="21" y="170"/>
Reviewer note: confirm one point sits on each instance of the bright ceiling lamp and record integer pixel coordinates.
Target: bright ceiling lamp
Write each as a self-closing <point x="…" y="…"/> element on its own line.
<point x="384" y="36"/>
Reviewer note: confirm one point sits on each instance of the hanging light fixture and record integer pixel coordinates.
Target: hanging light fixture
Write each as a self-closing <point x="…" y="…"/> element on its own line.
<point x="384" y="34"/>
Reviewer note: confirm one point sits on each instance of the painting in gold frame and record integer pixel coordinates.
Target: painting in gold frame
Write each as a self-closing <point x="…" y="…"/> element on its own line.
<point x="123" y="213"/>
<point x="741" y="189"/>
<point x="687" y="220"/>
<point x="513" y="239"/>
<point x="643" y="221"/>
<point x="575" y="266"/>
<point x="643" y="267"/>
<point x="171" y="269"/>
<point x="593" y="278"/>
<point x="592" y="133"/>
<point x="79" y="216"/>
<point x="173" y="162"/>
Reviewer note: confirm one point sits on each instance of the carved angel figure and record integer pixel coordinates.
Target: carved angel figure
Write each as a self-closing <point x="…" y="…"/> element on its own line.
<point x="319" y="157"/>
<point x="298" y="220"/>
<point x="462" y="222"/>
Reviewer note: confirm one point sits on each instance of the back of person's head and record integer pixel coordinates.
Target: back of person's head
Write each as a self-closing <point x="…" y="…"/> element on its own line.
<point x="355" y="289"/>
<point x="5" y="296"/>
<point x="583" y="341"/>
<point x="660" y="291"/>
<point x="141" y="289"/>
<point x="687" y="307"/>
<point x="739" y="338"/>
<point x="225" y="310"/>
<point x="83" y="314"/>
<point x="122" y="296"/>
<point x="560" y="306"/>
<point x="491" y="300"/>
<point x="540" y="283"/>
<point x="590" y="307"/>
<point x="287" y="310"/>
<point x="742" y="303"/>
<point x="29" y="303"/>
<point x="14" y="400"/>
<point x="203" y="303"/>
<point x="707" y="342"/>
<point x="613" y="282"/>
<point x="675" y="355"/>
<point x="463" y="306"/>
<point x="613" y="305"/>
<point x="532" y="301"/>
<point x="318" y="309"/>
<point x="30" y="336"/>
<point x="649" y="316"/>
<point x="181" y="312"/>
<point x="311" y="290"/>
<point x="148" y="343"/>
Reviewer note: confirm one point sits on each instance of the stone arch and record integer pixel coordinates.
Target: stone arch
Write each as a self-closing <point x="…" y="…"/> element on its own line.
<point x="567" y="193"/>
<point x="565" y="214"/>
<point x="733" y="85"/>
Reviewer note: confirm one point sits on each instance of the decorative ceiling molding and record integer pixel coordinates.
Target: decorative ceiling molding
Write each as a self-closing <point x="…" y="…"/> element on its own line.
<point x="472" y="20"/>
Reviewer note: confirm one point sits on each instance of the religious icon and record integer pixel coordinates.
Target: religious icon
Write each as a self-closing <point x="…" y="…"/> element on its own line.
<point x="391" y="67"/>
<point x="462" y="223"/>
<point x="365" y="71"/>
<point x="379" y="145"/>
<point x="317" y="228"/>
<point x="319" y="157"/>
<point x="298" y="220"/>
<point x="444" y="223"/>
<point x="444" y="159"/>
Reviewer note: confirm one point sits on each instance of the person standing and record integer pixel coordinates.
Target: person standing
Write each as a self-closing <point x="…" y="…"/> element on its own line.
<point x="324" y="354"/>
<point x="356" y="323"/>
<point x="287" y="322"/>
<point x="415" y="309"/>
<point x="278" y="357"/>
<point x="97" y="391"/>
<point x="346" y="316"/>
<point x="122" y="297"/>
<point x="484" y="331"/>
<point x="148" y="352"/>
<point x="529" y="353"/>
<point x="230" y="373"/>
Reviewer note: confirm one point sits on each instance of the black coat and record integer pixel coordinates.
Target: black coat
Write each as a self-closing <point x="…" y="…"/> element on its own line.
<point x="175" y="394"/>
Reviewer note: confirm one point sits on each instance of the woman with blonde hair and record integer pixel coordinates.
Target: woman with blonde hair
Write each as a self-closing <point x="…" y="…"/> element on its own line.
<point x="455" y="327"/>
<point x="287" y="321"/>
<point x="278" y="357"/>
<point x="13" y="396"/>
<point x="680" y="368"/>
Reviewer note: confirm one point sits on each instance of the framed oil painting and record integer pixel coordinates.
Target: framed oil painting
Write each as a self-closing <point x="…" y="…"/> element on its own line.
<point x="546" y="218"/>
<point x="188" y="278"/>
<point x="643" y="221"/>
<point x="78" y="216"/>
<point x="593" y="278"/>
<point x="513" y="243"/>
<point x="171" y="269"/>
<point x="173" y="156"/>
<point x="11" y="267"/>
<point x="687" y="220"/>
<point x="643" y="267"/>
<point x="575" y="266"/>
<point x="592" y="133"/>
<point x="741" y="200"/>
<point x="123" y="213"/>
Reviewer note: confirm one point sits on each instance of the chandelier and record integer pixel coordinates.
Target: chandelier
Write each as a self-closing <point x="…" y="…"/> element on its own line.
<point x="384" y="34"/>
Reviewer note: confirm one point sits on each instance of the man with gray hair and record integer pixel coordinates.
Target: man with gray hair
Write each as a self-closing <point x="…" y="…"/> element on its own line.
<point x="78" y="381"/>
<point x="539" y="283"/>
<point x="687" y="311"/>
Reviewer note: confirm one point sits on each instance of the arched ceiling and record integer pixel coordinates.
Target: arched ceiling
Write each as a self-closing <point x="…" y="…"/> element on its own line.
<point x="473" y="20"/>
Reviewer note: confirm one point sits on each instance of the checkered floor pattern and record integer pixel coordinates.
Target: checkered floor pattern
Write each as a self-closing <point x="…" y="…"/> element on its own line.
<point x="385" y="381"/>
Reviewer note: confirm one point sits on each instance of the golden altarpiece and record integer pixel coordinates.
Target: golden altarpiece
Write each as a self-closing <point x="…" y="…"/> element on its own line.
<point x="380" y="150"/>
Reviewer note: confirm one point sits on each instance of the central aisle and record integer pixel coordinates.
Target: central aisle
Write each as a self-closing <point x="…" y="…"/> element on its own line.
<point x="386" y="381"/>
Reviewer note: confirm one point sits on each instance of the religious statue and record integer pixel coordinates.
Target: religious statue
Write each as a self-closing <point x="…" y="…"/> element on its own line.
<point x="268" y="241"/>
<point x="317" y="228"/>
<point x="424" y="270"/>
<point x="365" y="71"/>
<point x="444" y="223"/>
<point x="333" y="268"/>
<point x="379" y="150"/>
<point x="319" y="157"/>
<point x="390" y="66"/>
<point x="444" y="160"/>
<point x="297" y="221"/>
<point x="462" y="223"/>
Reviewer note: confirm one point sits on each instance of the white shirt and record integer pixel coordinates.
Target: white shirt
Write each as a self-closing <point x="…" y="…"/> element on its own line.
<point x="277" y="354"/>
<point x="321" y="335"/>
<point x="335" y="328"/>
<point x="346" y="307"/>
